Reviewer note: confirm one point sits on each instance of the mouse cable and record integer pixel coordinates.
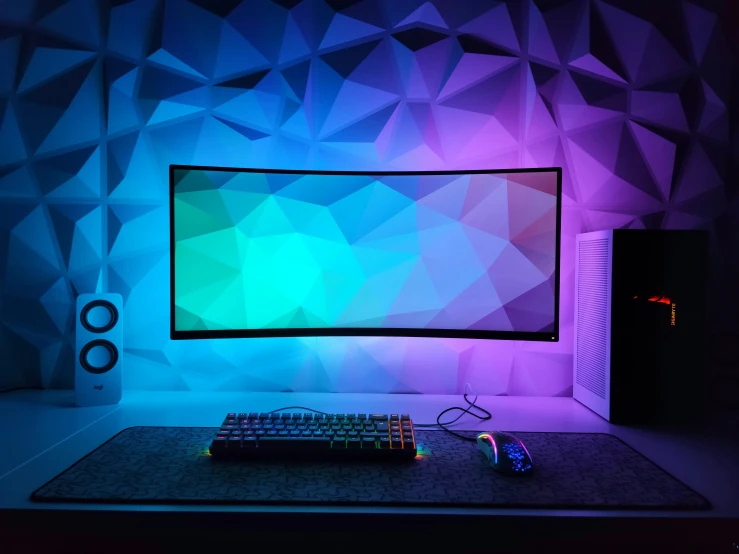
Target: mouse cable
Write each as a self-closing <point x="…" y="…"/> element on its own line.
<point x="471" y="404"/>
<point x="468" y="410"/>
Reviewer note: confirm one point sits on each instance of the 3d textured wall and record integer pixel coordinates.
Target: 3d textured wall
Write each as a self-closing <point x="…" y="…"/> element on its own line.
<point x="98" y="97"/>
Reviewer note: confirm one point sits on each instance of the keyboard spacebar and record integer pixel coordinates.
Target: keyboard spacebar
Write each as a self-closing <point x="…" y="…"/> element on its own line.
<point x="307" y="443"/>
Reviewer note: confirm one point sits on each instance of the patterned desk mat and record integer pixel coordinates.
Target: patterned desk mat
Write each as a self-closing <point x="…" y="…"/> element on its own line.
<point x="572" y="470"/>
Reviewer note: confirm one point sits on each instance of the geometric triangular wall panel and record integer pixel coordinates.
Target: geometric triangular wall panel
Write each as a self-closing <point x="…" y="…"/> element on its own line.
<point x="97" y="98"/>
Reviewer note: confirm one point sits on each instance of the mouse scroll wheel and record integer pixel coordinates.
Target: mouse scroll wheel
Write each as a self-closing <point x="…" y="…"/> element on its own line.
<point x="486" y="438"/>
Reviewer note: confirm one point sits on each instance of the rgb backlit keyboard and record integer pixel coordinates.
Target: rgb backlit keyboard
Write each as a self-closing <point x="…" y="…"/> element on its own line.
<point x="297" y="436"/>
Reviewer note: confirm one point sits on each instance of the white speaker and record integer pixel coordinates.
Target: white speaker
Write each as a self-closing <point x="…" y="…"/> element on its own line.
<point x="99" y="347"/>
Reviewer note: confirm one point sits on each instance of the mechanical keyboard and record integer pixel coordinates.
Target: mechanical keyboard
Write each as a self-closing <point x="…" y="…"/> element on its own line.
<point x="299" y="436"/>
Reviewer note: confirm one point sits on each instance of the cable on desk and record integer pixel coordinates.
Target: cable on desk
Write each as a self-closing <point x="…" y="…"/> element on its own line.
<point x="298" y="408"/>
<point x="468" y="410"/>
<point x="471" y="404"/>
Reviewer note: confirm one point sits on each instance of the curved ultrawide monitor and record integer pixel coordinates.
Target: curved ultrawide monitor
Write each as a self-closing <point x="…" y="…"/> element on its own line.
<point x="276" y="253"/>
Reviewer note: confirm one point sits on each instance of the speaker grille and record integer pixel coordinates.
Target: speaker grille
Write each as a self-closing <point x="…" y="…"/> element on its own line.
<point x="592" y="315"/>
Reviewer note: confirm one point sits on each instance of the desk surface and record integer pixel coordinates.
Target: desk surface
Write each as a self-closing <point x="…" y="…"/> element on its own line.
<point x="43" y="433"/>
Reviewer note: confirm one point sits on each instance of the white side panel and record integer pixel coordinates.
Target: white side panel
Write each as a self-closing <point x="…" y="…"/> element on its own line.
<point x="592" y="350"/>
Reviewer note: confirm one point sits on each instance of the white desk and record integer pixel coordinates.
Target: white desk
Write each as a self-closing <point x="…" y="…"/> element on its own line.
<point x="42" y="434"/>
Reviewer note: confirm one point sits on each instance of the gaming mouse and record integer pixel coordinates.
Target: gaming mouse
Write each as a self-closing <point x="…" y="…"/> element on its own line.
<point x="506" y="452"/>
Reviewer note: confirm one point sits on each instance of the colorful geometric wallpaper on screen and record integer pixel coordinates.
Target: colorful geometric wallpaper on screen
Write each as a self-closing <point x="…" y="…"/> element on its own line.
<point x="276" y="250"/>
<point x="98" y="97"/>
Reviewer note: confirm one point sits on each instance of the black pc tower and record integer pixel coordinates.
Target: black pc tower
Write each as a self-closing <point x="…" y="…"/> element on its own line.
<point x="640" y="309"/>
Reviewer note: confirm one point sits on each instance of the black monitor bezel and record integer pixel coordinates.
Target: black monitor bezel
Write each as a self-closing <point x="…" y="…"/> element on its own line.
<point x="539" y="336"/>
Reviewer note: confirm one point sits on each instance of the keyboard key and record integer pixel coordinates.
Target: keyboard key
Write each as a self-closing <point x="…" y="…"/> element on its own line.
<point x="382" y="427"/>
<point x="248" y="442"/>
<point x="234" y="442"/>
<point x="337" y="443"/>
<point x="393" y="417"/>
<point x="354" y="442"/>
<point x="361" y="416"/>
<point x="405" y="417"/>
<point x="384" y="442"/>
<point x="218" y="443"/>
<point x="408" y="443"/>
<point x="264" y="415"/>
<point x="242" y="416"/>
<point x="396" y="443"/>
<point x="311" y="443"/>
<point x="231" y="415"/>
<point x="368" y="442"/>
<point x="370" y="434"/>
<point x="380" y="417"/>
<point x="297" y="416"/>
<point x="285" y="417"/>
<point x="274" y="442"/>
<point x="253" y="415"/>
<point x="294" y="433"/>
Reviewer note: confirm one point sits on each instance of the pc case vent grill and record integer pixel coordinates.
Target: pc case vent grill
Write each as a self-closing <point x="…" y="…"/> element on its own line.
<point x="592" y="315"/>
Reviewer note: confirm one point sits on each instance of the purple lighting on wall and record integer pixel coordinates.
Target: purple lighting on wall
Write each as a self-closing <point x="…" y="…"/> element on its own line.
<point x="629" y="98"/>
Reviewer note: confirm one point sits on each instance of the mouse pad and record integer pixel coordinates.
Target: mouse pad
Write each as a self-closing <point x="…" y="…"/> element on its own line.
<point x="572" y="470"/>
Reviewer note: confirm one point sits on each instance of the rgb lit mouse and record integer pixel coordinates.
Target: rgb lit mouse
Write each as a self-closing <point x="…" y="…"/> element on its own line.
<point x="506" y="452"/>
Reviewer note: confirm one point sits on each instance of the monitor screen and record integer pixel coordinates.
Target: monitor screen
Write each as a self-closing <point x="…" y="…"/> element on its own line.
<point x="259" y="253"/>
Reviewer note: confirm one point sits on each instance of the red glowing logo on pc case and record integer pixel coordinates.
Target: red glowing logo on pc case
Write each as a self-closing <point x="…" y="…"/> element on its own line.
<point x="662" y="300"/>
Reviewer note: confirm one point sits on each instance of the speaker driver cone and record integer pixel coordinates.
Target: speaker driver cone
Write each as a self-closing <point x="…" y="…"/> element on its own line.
<point x="98" y="356"/>
<point x="99" y="316"/>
